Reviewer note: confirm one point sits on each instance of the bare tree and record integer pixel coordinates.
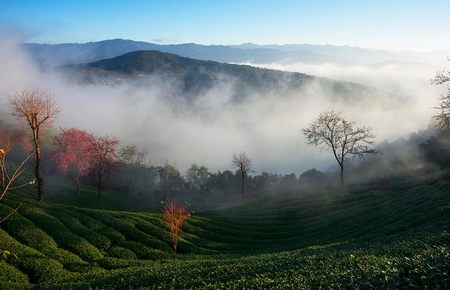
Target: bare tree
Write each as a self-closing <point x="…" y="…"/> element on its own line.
<point x="10" y="184"/>
<point x="8" y="139"/>
<point x="13" y="178"/>
<point x="36" y="109"/>
<point x="3" y="166"/>
<point x="104" y="154"/>
<point x="331" y="132"/>
<point x="244" y="164"/>
<point x="443" y="118"/>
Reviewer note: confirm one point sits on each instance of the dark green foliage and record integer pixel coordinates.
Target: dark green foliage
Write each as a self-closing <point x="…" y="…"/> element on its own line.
<point x="121" y="253"/>
<point x="75" y="226"/>
<point x="366" y="238"/>
<point x="143" y="251"/>
<point x="27" y="233"/>
<point x="11" y="274"/>
<point x="126" y="226"/>
<point x="61" y="234"/>
<point x="116" y="263"/>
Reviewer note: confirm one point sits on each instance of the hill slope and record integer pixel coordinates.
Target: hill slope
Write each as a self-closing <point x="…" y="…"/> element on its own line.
<point x="49" y="55"/>
<point x="196" y="76"/>
<point x="393" y="236"/>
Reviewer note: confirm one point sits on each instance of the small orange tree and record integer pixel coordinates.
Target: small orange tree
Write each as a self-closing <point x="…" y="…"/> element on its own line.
<point x="175" y="215"/>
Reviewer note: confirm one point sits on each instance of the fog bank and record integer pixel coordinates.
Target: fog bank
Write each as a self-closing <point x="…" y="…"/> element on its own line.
<point x="209" y="129"/>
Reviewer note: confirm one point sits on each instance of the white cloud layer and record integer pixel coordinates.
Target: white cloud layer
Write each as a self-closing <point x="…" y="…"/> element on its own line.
<point x="207" y="132"/>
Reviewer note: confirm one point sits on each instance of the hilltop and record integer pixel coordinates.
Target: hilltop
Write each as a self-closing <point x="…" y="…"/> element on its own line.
<point x="195" y="76"/>
<point x="50" y="55"/>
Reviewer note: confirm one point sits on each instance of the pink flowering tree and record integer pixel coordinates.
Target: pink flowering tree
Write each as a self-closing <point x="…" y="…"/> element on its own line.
<point x="75" y="153"/>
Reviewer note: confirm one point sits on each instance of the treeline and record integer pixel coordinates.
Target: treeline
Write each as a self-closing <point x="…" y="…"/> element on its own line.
<point x="201" y="186"/>
<point x="71" y="153"/>
<point x="100" y="161"/>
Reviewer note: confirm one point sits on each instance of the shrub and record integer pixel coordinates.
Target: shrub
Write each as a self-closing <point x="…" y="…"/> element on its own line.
<point x="11" y="274"/>
<point x="121" y="253"/>
<point x="116" y="263"/>
<point x="75" y="226"/>
<point x="142" y="251"/>
<point x="62" y="235"/>
<point x="126" y="226"/>
<point x="41" y="269"/>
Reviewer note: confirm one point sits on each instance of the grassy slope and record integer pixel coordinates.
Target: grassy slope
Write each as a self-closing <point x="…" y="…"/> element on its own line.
<point x="385" y="237"/>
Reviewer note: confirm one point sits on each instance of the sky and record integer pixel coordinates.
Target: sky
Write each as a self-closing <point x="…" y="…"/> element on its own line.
<point x="382" y="24"/>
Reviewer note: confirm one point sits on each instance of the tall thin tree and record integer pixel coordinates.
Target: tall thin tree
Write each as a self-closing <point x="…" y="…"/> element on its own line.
<point x="331" y="132"/>
<point x="244" y="164"/>
<point x="37" y="110"/>
<point x="104" y="155"/>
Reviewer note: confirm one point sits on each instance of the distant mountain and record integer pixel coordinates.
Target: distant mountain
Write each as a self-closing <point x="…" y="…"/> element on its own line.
<point x="48" y="55"/>
<point x="351" y="55"/>
<point x="196" y="76"/>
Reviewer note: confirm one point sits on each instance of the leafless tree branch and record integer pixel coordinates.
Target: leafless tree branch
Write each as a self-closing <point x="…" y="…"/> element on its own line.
<point x="331" y="132"/>
<point x="244" y="164"/>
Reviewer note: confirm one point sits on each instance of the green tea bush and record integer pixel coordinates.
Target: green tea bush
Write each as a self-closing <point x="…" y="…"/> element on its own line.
<point x="116" y="263"/>
<point x="360" y="239"/>
<point x="41" y="268"/>
<point x="142" y="251"/>
<point x="127" y="228"/>
<point x="61" y="234"/>
<point x="11" y="274"/>
<point x="121" y="253"/>
<point x="93" y="224"/>
<point x="75" y="226"/>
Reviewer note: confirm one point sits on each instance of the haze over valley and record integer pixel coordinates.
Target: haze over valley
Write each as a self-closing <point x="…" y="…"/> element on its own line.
<point x="174" y="102"/>
<point x="254" y="144"/>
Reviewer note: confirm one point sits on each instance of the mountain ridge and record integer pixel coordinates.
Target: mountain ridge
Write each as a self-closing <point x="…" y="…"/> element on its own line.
<point x="197" y="76"/>
<point x="48" y="55"/>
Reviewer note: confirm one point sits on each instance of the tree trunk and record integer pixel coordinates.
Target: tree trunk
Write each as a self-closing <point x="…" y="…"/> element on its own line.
<point x="37" y="169"/>
<point x="243" y="185"/>
<point x="175" y="239"/>
<point x="2" y="173"/>
<point x="77" y="184"/>
<point x="76" y="181"/>
<point x="342" y="176"/>
<point x="99" y="186"/>
<point x="98" y="199"/>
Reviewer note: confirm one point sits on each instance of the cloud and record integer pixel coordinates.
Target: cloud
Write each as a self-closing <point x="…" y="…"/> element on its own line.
<point x="162" y="40"/>
<point x="208" y="130"/>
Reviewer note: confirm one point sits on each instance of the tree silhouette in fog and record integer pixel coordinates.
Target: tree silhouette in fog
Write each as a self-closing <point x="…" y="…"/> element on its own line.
<point x="331" y="132"/>
<point x="244" y="164"/>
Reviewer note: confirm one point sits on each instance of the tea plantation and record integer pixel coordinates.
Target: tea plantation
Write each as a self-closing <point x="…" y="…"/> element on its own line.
<point x="378" y="236"/>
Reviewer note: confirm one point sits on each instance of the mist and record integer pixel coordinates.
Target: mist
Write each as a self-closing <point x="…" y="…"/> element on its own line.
<point x="208" y="129"/>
